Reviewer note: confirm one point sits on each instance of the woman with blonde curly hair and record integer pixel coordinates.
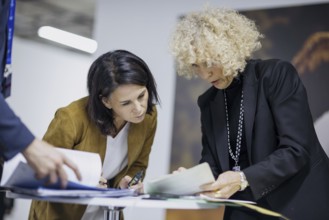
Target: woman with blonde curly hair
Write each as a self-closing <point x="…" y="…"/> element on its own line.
<point x="257" y="130"/>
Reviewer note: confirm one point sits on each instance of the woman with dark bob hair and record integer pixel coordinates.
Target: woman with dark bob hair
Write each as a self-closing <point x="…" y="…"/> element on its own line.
<point x="118" y="120"/>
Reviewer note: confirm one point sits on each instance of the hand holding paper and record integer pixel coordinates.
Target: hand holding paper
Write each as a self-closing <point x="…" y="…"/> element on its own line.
<point x="227" y="184"/>
<point x="47" y="161"/>
<point x="185" y="182"/>
<point x="20" y="177"/>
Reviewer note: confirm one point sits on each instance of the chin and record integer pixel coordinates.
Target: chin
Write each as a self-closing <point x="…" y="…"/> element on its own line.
<point x="138" y="120"/>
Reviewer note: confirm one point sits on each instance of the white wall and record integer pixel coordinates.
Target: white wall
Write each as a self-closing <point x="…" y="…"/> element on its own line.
<point x="46" y="78"/>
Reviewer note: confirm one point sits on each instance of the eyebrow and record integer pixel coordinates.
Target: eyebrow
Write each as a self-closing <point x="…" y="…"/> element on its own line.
<point x="125" y="101"/>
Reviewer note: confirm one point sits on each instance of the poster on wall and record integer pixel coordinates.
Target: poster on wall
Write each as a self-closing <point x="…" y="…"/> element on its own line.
<point x="298" y="34"/>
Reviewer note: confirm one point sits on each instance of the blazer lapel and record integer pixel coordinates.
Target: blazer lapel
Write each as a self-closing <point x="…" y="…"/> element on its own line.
<point x="220" y="134"/>
<point x="250" y="87"/>
<point x="135" y="135"/>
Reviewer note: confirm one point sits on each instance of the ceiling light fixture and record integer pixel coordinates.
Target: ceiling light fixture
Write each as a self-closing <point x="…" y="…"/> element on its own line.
<point x="68" y="39"/>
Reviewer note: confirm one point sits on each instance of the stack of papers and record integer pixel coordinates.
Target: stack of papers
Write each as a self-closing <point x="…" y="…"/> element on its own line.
<point x="186" y="184"/>
<point x="74" y="193"/>
<point x="19" y="177"/>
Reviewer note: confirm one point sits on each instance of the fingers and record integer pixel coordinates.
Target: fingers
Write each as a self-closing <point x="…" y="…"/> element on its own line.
<point x="217" y="194"/>
<point x="227" y="192"/>
<point x="53" y="175"/>
<point x="73" y="166"/>
<point x="62" y="176"/>
<point x="52" y="178"/>
<point x="47" y="161"/>
<point x="213" y="186"/>
<point x="180" y="169"/>
<point x="223" y="193"/>
<point x="138" y="187"/>
<point x="102" y="182"/>
<point x="123" y="184"/>
<point x="208" y="187"/>
<point x="41" y="173"/>
<point x="225" y="186"/>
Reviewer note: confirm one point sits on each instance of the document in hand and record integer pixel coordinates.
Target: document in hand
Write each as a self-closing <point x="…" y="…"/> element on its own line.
<point x="20" y="177"/>
<point x="186" y="182"/>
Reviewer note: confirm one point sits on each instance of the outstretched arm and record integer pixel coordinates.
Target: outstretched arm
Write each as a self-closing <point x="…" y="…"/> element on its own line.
<point x="47" y="161"/>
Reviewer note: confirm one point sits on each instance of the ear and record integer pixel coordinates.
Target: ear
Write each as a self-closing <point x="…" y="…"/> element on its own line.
<point x="106" y="102"/>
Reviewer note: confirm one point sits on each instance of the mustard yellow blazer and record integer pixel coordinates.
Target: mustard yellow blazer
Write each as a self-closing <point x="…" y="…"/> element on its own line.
<point x="71" y="128"/>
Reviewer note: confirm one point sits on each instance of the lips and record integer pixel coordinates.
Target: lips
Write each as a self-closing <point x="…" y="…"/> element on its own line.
<point x="215" y="82"/>
<point x="140" y="116"/>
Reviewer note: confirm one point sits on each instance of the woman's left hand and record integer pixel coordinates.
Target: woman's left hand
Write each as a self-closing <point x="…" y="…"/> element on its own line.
<point x="102" y="182"/>
<point x="123" y="184"/>
<point x="225" y="186"/>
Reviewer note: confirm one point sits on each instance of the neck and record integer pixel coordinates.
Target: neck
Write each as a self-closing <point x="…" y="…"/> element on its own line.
<point x="119" y="124"/>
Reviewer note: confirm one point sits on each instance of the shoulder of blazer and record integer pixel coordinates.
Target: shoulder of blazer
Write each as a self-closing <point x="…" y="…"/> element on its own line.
<point x="270" y="74"/>
<point x="76" y="112"/>
<point x="261" y="68"/>
<point x="151" y="119"/>
<point x="76" y="108"/>
<point x="207" y="96"/>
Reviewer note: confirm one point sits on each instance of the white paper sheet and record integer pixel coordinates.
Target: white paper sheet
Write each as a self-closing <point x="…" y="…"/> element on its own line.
<point x="183" y="183"/>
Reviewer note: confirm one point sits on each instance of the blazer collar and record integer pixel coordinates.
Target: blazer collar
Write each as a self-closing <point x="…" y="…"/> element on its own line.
<point x="217" y="109"/>
<point x="136" y="136"/>
<point x="250" y="88"/>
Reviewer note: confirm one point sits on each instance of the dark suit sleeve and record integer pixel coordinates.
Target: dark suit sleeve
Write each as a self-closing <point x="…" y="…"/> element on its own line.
<point x="294" y="131"/>
<point x="207" y="155"/>
<point x="14" y="135"/>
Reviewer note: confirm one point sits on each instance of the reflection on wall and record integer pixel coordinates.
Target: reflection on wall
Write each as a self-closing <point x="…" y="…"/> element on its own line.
<point x="297" y="34"/>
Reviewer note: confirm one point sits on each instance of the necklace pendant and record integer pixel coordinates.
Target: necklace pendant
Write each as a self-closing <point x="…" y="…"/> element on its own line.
<point x="236" y="168"/>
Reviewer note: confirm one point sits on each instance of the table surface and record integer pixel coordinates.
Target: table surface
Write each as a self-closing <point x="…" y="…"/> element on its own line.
<point x="180" y="203"/>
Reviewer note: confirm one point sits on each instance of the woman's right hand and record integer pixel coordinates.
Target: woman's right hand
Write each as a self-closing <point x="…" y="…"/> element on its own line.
<point x="227" y="184"/>
<point x="123" y="184"/>
<point x="102" y="183"/>
<point x="180" y="169"/>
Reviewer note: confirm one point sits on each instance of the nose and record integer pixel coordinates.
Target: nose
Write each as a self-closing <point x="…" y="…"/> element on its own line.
<point x="137" y="107"/>
<point x="205" y="74"/>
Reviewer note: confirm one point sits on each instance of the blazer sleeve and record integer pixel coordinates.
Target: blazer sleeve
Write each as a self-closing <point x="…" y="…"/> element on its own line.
<point x="294" y="128"/>
<point x="207" y="155"/>
<point x="14" y="135"/>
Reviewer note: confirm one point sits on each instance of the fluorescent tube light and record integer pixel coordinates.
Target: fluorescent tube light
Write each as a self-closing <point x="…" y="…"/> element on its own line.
<point x="68" y="39"/>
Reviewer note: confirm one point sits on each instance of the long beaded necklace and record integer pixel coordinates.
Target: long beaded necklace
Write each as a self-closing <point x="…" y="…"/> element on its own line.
<point x="235" y="156"/>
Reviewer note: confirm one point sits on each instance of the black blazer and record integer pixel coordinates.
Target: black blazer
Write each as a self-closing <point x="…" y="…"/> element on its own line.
<point x="288" y="167"/>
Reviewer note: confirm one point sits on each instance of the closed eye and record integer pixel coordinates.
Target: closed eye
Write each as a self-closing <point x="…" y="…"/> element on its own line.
<point x="125" y="103"/>
<point x="141" y="95"/>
